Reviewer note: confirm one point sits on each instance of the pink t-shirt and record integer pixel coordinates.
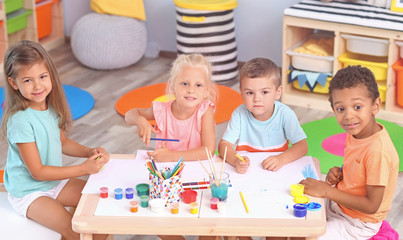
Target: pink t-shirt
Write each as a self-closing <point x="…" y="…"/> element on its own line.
<point x="370" y="161"/>
<point x="188" y="131"/>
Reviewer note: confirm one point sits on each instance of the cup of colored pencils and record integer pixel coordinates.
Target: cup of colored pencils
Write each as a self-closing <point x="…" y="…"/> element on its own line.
<point x="165" y="183"/>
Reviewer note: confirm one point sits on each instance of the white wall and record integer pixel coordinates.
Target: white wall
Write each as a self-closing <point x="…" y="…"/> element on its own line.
<point x="258" y="25"/>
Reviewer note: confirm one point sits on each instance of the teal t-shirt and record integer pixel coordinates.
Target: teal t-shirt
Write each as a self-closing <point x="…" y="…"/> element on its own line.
<point x="41" y="127"/>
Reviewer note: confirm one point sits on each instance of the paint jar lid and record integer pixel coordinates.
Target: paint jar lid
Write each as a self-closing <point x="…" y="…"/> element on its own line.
<point x="301" y="199"/>
<point x="214" y="200"/>
<point x="313" y="206"/>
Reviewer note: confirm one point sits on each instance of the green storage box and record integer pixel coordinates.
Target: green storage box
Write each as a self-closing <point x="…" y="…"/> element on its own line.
<point x="13" y="5"/>
<point x="17" y="20"/>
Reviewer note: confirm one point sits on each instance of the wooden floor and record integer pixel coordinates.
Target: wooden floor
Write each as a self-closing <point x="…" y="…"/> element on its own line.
<point x="103" y="126"/>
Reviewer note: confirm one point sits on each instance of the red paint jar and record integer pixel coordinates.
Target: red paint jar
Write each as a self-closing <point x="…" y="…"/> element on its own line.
<point x="189" y="196"/>
<point x="103" y="192"/>
<point x="213" y="203"/>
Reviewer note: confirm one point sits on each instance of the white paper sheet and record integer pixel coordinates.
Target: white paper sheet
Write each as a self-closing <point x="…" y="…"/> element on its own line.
<point x="266" y="192"/>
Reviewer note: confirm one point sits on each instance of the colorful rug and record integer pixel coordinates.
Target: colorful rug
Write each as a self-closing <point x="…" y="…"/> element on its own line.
<point x="80" y="101"/>
<point x="228" y="100"/>
<point x="326" y="141"/>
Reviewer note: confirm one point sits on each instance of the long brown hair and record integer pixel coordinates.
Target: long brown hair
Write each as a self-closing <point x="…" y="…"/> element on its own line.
<point x="25" y="54"/>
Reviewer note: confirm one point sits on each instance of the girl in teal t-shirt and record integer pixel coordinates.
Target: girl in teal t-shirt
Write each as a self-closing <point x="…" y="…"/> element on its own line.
<point x="35" y="121"/>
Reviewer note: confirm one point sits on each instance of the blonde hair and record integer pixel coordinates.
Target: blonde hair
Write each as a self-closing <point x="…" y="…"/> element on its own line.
<point x="261" y="68"/>
<point x="194" y="60"/>
<point x="25" y="54"/>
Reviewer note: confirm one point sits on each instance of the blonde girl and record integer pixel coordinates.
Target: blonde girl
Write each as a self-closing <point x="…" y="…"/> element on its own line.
<point x="35" y="121"/>
<point x="188" y="118"/>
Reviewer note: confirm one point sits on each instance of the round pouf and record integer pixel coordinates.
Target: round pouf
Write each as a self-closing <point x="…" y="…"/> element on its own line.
<point x="103" y="41"/>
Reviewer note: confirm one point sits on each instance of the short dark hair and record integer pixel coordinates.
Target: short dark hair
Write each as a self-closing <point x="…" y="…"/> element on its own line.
<point x="352" y="76"/>
<point x="261" y="67"/>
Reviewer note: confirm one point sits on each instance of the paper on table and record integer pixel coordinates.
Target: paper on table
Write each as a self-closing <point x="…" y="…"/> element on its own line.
<point x="125" y="173"/>
<point x="267" y="186"/>
<point x="266" y="193"/>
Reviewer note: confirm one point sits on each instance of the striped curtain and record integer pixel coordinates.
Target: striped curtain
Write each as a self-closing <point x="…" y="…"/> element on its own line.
<point x="211" y="33"/>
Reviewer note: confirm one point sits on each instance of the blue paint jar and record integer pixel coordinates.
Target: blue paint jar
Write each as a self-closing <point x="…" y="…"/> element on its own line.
<point x="300" y="210"/>
<point x="129" y="193"/>
<point x="118" y="193"/>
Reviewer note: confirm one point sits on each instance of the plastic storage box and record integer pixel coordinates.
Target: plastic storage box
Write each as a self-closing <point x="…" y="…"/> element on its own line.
<point x="366" y="45"/>
<point x="400" y="44"/>
<point x="17" y="20"/>
<point x="44" y="18"/>
<point x="398" y="67"/>
<point x="13" y="5"/>
<point x="378" y="65"/>
<point x="309" y="62"/>
<point x="382" y="92"/>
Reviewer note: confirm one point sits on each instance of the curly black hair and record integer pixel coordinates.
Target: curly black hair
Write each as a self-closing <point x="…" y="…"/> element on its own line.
<point x="353" y="76"/>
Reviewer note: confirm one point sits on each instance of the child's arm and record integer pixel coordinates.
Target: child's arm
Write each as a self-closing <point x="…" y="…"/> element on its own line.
<point x="232" y="159"/>
<point x="297" y="150"/>
<point x="207" y="139"/>
<point x="30" y="156"/>
<point x="74" y="149"/>
<point x="140" y="117"/>
<point x="368" y="203"/>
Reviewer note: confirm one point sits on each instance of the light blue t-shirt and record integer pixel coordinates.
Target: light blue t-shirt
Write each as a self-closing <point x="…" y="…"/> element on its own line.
<point x="41" y="127"/>
<point x="271" y="135"/>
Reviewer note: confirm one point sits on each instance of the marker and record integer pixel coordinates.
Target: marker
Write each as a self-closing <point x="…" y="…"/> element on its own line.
<point x="165" y="139"/>
<point x="237" y="155"/>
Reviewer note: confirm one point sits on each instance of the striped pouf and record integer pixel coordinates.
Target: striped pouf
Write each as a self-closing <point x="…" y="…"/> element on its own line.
<point x="211" y="33"/>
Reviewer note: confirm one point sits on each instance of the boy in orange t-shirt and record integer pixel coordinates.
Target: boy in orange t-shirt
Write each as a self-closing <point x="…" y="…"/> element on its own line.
<point x="365" y="184"/>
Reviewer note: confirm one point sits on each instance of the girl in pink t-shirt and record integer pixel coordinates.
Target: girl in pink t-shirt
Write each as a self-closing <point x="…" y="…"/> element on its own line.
<point x="188" y="118"/>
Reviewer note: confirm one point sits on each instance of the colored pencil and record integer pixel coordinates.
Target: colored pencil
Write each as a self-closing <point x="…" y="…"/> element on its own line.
<point x="237" y="155"/>
<point x="176" y="166"/>
<point x="102" y="168"/>
<point x="341" y="168"/>
<point x="165" y="139"/>
<point x="244" y="202"/>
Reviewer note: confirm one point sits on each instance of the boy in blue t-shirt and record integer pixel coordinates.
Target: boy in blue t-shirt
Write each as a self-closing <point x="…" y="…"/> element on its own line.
<point x="262" y="124"/>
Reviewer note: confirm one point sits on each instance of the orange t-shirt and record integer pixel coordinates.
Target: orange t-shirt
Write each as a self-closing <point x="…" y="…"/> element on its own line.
<point x="370" y="161"/>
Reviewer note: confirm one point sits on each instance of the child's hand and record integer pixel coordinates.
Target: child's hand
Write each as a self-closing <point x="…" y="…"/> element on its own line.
<point x="315" y="188"/>
<point x="94" y="163"/>
<point x="162" y="155"/>
<point x="334" y="176"/>
<point x="144" y="130"/>
<point x="241" y="166"/>
<point x="101" y="151"/>
<point x="272" y="163"/>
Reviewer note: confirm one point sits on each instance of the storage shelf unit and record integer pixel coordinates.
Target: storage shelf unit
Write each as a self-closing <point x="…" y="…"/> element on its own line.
<point x="296" y="29"/>
<point x="55" y="39"/>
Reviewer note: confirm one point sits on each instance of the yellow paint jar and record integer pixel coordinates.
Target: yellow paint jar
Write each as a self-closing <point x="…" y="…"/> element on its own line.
<point x="175" y="208"/>
<point x="297" y="190"/>
<point x="194" y="208"/>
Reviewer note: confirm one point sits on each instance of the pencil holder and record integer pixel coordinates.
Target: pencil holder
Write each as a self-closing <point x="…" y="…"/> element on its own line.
<point x="169" y="189"/>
